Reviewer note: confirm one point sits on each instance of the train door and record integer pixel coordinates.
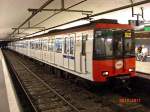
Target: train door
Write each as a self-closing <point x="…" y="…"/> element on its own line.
<point x="45" y="49"/>
<point x="72" y="52"/>
<point x="33" y="48"/>
<point x="26" y="47"/>
<point x="40" y="49"/>
<point x="40" y="55"/>
<point x="83" y="53"/>
<point x="52" y="51"/>
<point x="66" y="52"/>
<point x="78" y="48"/>
<point x="49" y="50"/>
<point x="27" y="51"/>
<point x="118" y="51"/>
<point x="59" y="50"/>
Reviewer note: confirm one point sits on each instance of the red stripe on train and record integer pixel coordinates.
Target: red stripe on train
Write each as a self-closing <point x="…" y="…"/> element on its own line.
<point x="121" y="26"/>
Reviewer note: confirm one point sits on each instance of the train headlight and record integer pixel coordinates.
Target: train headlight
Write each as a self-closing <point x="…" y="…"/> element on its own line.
<point x="105" y="73"/>
<point x="131" y="69"/>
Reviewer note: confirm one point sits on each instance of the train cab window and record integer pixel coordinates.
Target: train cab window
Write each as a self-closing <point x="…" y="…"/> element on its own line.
<point x="72" y="45"/>
<point x="58" y="45"/>
<point x="103" y="46"/>
<point x="108" y="45"/>
<point x="84" y="38"/>
<point x="118" y="43"/>
<point x="100" y="46"/>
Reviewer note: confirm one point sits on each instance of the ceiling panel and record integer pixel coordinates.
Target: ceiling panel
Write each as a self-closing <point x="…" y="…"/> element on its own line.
<point x="14" y="12"/>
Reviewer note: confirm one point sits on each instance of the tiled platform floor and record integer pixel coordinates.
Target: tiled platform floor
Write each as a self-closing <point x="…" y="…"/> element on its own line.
<point x="8" y="99"/>
<point x="143" y="67"/>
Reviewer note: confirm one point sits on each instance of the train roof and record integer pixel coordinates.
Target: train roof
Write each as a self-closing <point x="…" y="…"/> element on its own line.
<point x="86" y="26"/>
<point x="101" y="23"/>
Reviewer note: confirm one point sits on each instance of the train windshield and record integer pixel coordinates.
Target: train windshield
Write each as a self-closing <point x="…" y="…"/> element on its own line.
<point x="118" y="43"/>
<point x="103" y="44"/>
<point x="113" y="43"/>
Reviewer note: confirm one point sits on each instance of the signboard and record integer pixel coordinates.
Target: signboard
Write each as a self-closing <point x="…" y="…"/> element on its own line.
<point x="128" y="34"/>
<point x="147" y="28"/>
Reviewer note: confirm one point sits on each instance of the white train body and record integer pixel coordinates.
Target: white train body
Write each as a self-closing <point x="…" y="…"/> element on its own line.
<point x="63" y="51"/>
<point x="74" y="50"/>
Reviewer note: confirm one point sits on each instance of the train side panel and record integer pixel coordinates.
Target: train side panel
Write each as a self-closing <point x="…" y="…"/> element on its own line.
<point x="51" y="50"/>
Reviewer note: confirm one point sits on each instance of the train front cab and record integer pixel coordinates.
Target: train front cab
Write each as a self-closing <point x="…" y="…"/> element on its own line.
<point x="113" y="52"/>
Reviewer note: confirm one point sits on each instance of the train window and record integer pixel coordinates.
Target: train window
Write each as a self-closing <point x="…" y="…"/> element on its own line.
<point x="84" y="38"/>
<point x="21" y="44"/>
<point x="45" y="44"/>
<point x="103" y="44"/>
<point x="25" y="44"/>
<point x="66" y="45"/>
<point x="39" y="44"/>
<point x="36" y="45"/>
<point x="129" y="47"/>
<point x="58" y="45"/>
<point x="31" y="47"/>
<point x="51" y="45"/>
<point x="33" y="44"/>
<point x="100" y="46"/>
<point x="72" y="45"/>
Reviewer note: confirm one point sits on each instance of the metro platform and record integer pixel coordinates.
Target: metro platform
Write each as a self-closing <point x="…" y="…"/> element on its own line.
<point x="8" y="98"/>
<point x="143" y="69"/>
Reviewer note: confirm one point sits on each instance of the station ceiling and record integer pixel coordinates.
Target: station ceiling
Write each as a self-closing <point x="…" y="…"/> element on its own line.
<point x="14" y="12"/>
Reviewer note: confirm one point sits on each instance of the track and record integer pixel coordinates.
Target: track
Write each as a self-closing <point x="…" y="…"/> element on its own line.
<point x="51" y="94"/>
<point x="41" y="95"/>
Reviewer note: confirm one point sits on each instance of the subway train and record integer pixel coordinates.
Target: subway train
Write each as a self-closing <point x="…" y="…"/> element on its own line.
<point x="97" y="51"/>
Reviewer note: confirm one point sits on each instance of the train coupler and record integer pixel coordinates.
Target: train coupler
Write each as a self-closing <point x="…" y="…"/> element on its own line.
<point x="122" y="82"/>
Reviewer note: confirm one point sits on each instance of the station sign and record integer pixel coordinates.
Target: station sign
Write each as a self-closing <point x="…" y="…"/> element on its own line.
<point x="127" y="34"/>
<point x="147" y="28"/>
